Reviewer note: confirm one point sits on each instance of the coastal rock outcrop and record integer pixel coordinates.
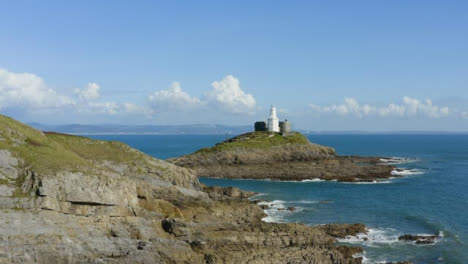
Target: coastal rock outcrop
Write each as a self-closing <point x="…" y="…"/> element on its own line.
<point x="268" y="155"/>
<point x="420" y="239"/>
<point x="71" y="199"/>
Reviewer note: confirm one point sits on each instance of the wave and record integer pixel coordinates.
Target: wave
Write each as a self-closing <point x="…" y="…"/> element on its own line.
<point x="313" y="180"/>
<point x="376" y="237"/>
<point x="277" y="209"/>
<point x="305" y="180"/>
<point x="281" y="203"/>
<point x="362" y="255"/>
<point x="274" y="212"/>
<point x="406" y="172"/>
<point x="398" y="160"/>
<point x="254" y="197"/>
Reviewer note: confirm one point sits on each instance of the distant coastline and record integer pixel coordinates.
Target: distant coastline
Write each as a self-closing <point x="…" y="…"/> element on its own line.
<point x="202" y="129"/>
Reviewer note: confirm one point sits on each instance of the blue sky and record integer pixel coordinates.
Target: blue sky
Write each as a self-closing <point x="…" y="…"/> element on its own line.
<point x="329" y="65"/>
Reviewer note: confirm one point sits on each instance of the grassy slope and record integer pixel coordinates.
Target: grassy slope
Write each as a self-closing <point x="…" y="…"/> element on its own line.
<point x="50" y="152"/>
<point x="256" y="140"/>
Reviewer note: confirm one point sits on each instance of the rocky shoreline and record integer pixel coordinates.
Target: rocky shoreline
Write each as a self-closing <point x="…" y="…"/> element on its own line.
<point x="71" y="199"/>
<point x="257" y="156"/>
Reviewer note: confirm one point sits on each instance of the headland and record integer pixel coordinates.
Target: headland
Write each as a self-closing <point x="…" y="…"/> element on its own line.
<point x="285" y="157"/>
<point x="71" y="199"/>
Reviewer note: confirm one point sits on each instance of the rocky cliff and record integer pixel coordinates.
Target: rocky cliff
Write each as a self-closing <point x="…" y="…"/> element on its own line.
<point x="265" y="155"/>
<point x="70" y="199"/>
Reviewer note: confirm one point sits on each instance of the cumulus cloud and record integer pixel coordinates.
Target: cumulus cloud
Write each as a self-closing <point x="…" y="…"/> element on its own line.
<point x="228" y="95"/>
<point x="409" y="107"/>
<point x="173" y="98"/>
<point x="26" y="90"/>
<point x="90" y="92"/>
<point x="225" y="95"/>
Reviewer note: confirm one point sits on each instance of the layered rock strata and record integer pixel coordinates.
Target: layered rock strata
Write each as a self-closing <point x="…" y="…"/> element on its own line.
<point x="69" y="199"/>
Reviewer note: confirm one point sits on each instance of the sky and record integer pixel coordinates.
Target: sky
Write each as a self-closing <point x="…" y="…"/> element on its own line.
<point x="326" y="65"/>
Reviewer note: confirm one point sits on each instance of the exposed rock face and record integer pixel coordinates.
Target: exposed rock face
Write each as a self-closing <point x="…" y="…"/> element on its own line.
<point x="342" y="231"/>
<point x="258" y="156"/>
<point x="420" y="239"/>
<point x="68" y="199"/>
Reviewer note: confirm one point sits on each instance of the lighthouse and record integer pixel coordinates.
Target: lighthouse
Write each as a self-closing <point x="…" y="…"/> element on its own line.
<point x="273" y="122"/>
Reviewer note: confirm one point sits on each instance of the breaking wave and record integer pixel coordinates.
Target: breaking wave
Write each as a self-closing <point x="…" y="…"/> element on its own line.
<point x="398" y="160"/>
<point x="277" y="209"/>
<point x="313" y="180"/>
<point x="406" y="172"/>
<point x="376" y="237"/>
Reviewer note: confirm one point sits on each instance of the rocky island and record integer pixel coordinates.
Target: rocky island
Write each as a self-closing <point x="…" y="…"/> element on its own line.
<point x="71" y="199"/>
<point x="277" y="156"/>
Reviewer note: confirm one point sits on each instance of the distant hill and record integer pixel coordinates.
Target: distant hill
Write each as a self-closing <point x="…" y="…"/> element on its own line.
<point x="143" y="129"/>
<point x="200" y="129"/>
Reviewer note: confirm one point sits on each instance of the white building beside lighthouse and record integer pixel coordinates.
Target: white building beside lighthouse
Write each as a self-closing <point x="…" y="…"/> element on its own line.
<point x="273" y="122"/>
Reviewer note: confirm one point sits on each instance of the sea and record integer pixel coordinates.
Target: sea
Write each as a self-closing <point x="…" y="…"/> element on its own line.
<point x="430" y="197"/>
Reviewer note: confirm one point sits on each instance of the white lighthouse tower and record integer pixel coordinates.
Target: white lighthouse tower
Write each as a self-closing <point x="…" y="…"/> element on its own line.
<point x="273" y="123"/>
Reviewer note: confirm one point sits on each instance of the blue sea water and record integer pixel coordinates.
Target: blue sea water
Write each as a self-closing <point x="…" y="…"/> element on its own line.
<point x="431" y="199"/>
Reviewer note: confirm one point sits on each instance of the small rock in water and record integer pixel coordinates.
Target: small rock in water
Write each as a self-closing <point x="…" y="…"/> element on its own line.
<point x="292" y="209"/>
<point x="419" y="239"/>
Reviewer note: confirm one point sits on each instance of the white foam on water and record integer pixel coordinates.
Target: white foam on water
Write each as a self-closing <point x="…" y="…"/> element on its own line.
<point x="374" y="237"/>
<point x="367" y="260"/>
<point x="406" y="172"/>
<point x="439" y="238"/>
<point x="256" y="196"/>
<point x="313" y="180"/>
<point x="305" y="202"/>
<point x="305" y="180"/>
<point x="441" y="234"/>
<point x="277" y="209"/>
<point x="272" y="203"/>
<point x="363" y="256"/>
<point x="397" y="160"/>
<point x="372" y="182"/>
<point x="273" y="214"/>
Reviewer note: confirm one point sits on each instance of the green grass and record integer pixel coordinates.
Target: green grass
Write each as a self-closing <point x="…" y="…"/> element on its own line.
<point x="52" y="152"/>
<point x="257" y="140"/>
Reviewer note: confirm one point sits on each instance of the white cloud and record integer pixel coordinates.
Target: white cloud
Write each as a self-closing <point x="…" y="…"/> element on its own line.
<point x="225" y="95"/>
<point x="228" y="95"/>
<point x="409" y="107"/>
<point x="26" y="90"/>
<point x="90" y="92"/>
<point x="173" y="98"/>
<point x="110" y="108"/>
